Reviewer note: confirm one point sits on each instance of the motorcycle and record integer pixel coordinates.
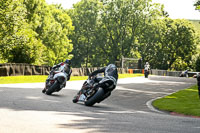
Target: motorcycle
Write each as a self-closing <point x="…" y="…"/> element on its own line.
<point x="146" y="73"/>
<point x="184" y="74"/>
<point x="90" y="94"/>
<point x="57" y="79"/>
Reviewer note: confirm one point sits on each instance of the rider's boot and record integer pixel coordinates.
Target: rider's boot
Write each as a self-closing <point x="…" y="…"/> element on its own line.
<point x="75" y="99"/>
<point x="45" y="88"/>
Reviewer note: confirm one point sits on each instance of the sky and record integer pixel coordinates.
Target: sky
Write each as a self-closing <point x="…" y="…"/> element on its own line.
<point x="177" y="9"/>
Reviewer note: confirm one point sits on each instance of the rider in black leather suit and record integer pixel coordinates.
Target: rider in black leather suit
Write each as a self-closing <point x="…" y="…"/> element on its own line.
<point x="67" y="70"/>
<point x="108" y="82"/>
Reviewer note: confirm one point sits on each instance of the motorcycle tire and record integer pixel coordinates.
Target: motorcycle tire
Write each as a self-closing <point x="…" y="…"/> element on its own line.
<point x="104" y="97"/>
<point x="52" y="88"/>
<point x="95" y="98"/>
<point x="146" y="74"/>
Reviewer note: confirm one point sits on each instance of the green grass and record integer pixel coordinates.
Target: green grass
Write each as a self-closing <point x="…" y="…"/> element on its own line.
<point x="130" y="75"/>
<point x="185" y="102"/>
<point x="22" y="79"/>
<point x="42" y="78"/>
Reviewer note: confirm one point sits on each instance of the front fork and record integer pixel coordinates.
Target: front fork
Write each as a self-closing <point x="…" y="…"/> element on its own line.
<point x="48" y="83"/>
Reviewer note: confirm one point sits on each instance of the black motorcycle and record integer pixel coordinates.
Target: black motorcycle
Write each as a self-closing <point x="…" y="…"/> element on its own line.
<point x="56" y="80"/>
<point x="146" y="73"/>
<point x="90" y="94"/>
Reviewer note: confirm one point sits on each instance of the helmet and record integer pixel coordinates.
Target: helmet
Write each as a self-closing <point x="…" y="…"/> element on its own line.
<point x="110" y="68"/>
<point x="67" y="61"/>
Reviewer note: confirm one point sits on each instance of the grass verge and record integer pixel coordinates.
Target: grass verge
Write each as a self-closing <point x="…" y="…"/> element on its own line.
<point x="184" y="102"/>
<point x="42" y="78"/>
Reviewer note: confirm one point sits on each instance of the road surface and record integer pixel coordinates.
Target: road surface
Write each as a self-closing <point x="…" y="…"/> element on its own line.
<point x="24" y="109"/>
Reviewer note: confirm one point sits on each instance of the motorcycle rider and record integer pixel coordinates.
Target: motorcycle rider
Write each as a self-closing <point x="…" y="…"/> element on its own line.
<point x="146" y="69"/>
<point x="184" y="74"/>
<point x="67" y="70"/>
<point x="108" y="82"/>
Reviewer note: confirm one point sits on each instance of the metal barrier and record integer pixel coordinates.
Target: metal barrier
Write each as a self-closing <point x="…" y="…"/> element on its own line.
<point x="170" y="73"/>
<point x="16" y="69"/>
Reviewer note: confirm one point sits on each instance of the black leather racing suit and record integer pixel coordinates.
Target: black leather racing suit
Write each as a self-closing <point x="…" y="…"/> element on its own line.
<point x="110" y="76"/>
<point x="67" y="70"/>
<point x="109" y="81"/>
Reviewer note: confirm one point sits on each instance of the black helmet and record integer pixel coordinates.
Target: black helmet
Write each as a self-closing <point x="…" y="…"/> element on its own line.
<point x="67" y="61"/>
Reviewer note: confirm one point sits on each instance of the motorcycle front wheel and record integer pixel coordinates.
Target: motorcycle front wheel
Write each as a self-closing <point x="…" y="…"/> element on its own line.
<point x="95" y="98"/>
<point x="52" y="88"/>
<point x="146" y="74"/>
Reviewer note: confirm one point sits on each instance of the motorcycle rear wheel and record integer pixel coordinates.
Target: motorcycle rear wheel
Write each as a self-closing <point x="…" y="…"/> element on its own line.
<point x="95" y="98"/>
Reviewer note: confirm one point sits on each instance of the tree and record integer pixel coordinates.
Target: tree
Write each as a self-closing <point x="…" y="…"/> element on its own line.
<point x="53" y="26"/>
<point x="17" y="41"/>
<point x="181" y="41"/>
<point x="111" y="32"/>
<point x="34" y="32"/>
<point x="169" y="43"/>
<point x="151" y="44"/>
<point x="85" y="19"/>
<point x="197" y="4"/>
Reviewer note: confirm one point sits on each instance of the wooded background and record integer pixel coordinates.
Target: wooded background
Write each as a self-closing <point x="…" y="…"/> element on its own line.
<point x="95" y="33"/>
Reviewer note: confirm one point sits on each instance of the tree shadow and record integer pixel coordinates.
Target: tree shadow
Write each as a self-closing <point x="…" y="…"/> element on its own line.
<point x="100" y="117"/>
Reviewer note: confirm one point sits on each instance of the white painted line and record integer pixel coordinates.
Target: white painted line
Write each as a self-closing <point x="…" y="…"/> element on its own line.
<point x="149" y="105"/>
<point x="140" y="91"/>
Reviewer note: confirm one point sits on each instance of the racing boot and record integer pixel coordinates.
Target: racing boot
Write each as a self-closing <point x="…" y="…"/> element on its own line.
<point x="44" y="90"/>
<point x="75" y="99"/>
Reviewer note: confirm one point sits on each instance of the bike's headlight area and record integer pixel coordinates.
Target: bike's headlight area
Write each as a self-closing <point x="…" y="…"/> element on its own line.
<point x="61" y="79"/>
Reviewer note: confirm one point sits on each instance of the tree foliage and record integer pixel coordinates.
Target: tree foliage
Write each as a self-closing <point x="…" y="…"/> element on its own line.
<point x="169" y="42"/>
<point x="111" y="32"/>
<point x="34" y="32"/>
<point x="94" y="33"/>
<point x="197" y="4"/>
<point x="129" y="28"/>
<point x="85" y="19"/>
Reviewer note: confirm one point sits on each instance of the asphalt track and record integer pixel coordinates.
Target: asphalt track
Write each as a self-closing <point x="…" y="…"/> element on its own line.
<point x="24" y="109"/>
